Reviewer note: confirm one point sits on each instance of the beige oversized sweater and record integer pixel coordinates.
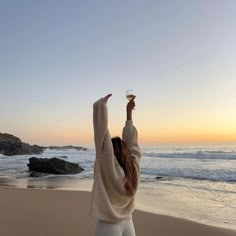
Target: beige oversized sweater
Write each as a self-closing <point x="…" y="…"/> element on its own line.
<point x="109" y="199"/>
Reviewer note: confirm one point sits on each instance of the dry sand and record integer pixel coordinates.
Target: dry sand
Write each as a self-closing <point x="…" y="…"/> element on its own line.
<point x="35" y="212"/>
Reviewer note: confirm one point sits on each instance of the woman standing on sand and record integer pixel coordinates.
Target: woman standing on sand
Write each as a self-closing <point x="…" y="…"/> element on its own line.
<point x="116" y="173"/>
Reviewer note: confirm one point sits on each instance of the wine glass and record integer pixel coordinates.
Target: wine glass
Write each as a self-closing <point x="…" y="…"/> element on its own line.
<point x="130" y="94"/>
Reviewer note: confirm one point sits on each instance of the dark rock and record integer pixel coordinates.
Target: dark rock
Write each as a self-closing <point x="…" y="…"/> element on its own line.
<point x="53" y="166"/>
<point x="9" y="138"/>
<point x="68" y="147"/>
<point x="36" y="149"/>
<point x="36" y="174"/>
<point x="159" y="177"/>
<point x="11" y="145"/>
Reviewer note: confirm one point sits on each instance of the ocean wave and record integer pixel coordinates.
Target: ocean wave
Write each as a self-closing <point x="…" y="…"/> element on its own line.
<point x="215" y="164"/>
<point x="3" y="157"/>
<point x="6" y="179"/>
<point x="194" y="155"/>
<point x="225" y="177"/>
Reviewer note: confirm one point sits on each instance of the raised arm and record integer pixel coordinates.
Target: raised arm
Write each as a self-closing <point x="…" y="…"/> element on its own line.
<point x="130" y="134"/>
<point x="100" y="122"/>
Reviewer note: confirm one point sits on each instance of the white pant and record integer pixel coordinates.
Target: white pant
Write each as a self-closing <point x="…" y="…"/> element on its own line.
<point x="125" y="228"/>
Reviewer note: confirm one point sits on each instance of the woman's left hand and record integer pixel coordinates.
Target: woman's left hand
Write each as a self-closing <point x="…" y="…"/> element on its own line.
<point x="107" y="97"/>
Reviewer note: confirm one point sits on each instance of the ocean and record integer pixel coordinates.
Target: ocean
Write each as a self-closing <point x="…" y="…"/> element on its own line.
<point x="197" y="183"/>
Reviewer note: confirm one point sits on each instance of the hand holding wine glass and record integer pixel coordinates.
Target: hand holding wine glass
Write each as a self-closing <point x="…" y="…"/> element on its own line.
<point x="130" y="96"/>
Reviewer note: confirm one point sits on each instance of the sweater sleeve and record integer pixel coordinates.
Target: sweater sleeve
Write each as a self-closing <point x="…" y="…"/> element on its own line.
<point x="102" y="136"/>
<point x="130" y="136"/>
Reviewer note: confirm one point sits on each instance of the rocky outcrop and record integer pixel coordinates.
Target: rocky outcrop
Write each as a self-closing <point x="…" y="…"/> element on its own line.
<point x="68" y="147"/>
<point x="159" y="177"/>
<point x="52" y="166"/>
<point x="11" y="145"/>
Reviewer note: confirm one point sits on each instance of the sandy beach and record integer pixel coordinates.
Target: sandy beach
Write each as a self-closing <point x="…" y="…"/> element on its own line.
<point x="27" y="212"/>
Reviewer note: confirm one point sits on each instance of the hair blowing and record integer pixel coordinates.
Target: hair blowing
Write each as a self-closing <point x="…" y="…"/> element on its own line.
<point x="129" y="166"/>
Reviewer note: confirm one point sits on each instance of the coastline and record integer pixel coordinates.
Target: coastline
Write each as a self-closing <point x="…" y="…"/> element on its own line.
<point x="173" y="182"/>
<point x="64" y="212"/>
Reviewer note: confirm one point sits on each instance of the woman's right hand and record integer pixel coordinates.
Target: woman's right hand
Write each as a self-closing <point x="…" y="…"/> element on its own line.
<point x="131" y="105"/>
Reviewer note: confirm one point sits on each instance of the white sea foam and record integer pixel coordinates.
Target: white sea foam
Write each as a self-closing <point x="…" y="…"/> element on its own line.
<point x="195" y="155"/>
<point x="7" y="179"/>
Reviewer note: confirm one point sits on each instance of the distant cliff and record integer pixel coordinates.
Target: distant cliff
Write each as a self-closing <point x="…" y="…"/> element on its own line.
<point x="68" y="147"/>
<point x="11" y="145"/>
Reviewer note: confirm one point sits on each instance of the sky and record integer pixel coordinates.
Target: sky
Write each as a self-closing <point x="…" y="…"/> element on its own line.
<point x="58" y="57"/>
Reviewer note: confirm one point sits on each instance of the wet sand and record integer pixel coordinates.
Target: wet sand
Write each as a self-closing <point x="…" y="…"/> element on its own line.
<point x="27" y="212"/>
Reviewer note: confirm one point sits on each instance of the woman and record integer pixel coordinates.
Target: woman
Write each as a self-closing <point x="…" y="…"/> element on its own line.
<point x="116" y="173"/>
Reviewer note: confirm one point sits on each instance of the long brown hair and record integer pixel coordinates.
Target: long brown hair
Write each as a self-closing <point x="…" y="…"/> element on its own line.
<point x="129" y="166"/>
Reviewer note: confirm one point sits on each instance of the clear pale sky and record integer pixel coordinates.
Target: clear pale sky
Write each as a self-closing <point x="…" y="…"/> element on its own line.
<point x="57" y="57"/>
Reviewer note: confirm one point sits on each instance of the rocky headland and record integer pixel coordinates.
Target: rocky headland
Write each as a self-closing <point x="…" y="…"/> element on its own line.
<point x="11" y="145"/>
<point x="68" y="147"/>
